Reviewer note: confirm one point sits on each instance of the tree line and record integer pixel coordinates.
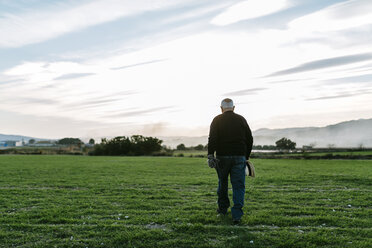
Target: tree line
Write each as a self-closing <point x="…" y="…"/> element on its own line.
<point x="281" y="144"/>
<point x="138" y="145"/>
<point x="200" y="147"/>
<point x="135" y="145"/>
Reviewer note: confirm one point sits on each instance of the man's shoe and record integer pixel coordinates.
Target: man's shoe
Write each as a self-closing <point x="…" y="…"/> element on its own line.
<point x="222" y="212"/>
<point x="236" y="222"/>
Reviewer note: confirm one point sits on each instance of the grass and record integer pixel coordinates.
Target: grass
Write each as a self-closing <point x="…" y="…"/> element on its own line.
<point x="351" y="153"/>
<point x="341" y="153"/>
<point x="78" y="201"/>
<point x="190" y="153"/>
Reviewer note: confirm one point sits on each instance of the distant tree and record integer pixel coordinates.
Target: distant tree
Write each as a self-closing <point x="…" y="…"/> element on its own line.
<point x="135" y="145"/>
<point x="145" y="145"/>
<point x="166" y="148"/>
<point x="31" y="141"/>
<point x="312" y="145"/>
<point x="269" y="147"/>
<point x="91" y="142"/>
<point x="44" y="142"/>
<point x="331" y="146"/>
<point x="199" y="147"/>
<point x="70" y="141"/>
<point x="257" y="147"/>
<point x="285" y="144"/>
<point x="181" y="147"/>
<point x="265" y="147"/>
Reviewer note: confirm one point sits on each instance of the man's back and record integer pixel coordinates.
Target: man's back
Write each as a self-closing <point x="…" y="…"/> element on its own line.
<point x="230" y="135"/>
<point x="231" y="138"/>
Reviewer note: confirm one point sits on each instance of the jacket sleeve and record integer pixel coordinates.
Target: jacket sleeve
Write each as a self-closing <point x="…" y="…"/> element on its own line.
<point x="213" y="137"/>
<point x="249" y="139"/>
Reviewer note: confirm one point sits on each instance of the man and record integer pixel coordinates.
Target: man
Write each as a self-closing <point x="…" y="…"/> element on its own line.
<point x="231" y="138"/>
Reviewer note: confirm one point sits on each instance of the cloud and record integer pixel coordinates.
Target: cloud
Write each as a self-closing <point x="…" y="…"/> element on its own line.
<point x="97" y="101"/>
<point x="139" y="112"/>
<point x="202" y="11"/>
<point x="37" y="26"/>
<point x="289" y="80"/>
<point x="30" y="100"/>
<point x="138" y="64"/>
<point x="11" y="81"/>
<point x="248" y="10"/>
<point x="366" y="78"/>
<point x="121" y="93"/>
<point x="342" y="95"/>
<point x="244" y="92"/>
<point x="345" y="15"/>
<point x="200" y="67"/>
<point x="325" y="63"/>
<point x="73" y="75"/>
<point x="89" y="104"/>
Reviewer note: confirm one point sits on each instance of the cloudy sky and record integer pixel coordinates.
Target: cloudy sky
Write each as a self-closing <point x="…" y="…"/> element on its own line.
<point x="161" y="67"/>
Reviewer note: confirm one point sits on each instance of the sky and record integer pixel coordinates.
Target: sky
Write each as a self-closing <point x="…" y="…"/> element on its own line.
<point x="161" y="68"/>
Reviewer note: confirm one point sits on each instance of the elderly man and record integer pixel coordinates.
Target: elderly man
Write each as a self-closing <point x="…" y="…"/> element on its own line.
<point x="231" y="138"/>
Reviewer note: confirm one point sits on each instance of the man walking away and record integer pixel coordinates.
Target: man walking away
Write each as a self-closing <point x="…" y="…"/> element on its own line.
<point x="231" y="138"/>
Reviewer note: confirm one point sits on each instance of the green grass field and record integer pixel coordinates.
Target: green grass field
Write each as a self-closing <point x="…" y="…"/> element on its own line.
<point x="195" y="153"/>
<point x="190" y="153"/>
<point x="79" y="201"/>
<point x="351" y="153"/>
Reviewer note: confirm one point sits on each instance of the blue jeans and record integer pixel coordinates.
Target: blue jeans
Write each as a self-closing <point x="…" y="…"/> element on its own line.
<point x="235" y="166"/>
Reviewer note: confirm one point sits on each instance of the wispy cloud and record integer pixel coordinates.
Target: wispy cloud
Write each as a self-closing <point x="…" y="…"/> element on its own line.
<point x="245" y="92"/>
<point x="289" y="80"/>
<point x="325" y="63"/>
<point x="36" y="26"/>
<point x="248" y="10"/>
<point x="347" y="14"/>
<point x="31" y="100"/>
<point x="139" y="112"/>
<point x="73" y="75"/>
<point x="113" y="49"/>
<point x="89" y="104"/>
<point x="365" y="78"/>
<point x="11" y="81"/>
<point x="98" y="101"/>
<point x="341" y="95"/>
<point x="200" y="11"/>
<point x="138" y="64"/>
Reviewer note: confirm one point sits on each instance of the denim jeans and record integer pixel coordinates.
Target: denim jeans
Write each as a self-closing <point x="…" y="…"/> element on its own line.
<point x="235" y="166"/>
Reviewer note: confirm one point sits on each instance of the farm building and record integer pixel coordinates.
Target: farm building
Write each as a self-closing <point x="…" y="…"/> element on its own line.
<point x="8" y="143"/>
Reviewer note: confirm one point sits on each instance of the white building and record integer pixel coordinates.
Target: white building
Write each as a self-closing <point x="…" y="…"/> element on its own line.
<point x="8" y="143"/>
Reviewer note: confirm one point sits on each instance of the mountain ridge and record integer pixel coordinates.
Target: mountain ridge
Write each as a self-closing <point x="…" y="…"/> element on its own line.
<point x="352" y="133"/>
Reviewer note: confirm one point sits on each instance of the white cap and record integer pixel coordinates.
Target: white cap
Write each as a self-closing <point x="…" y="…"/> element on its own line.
<point x="227" y="103"/>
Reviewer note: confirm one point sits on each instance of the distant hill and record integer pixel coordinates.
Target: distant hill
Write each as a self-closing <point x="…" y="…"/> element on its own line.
<point x="345" y="134"/>
<point x="16" y="137"/>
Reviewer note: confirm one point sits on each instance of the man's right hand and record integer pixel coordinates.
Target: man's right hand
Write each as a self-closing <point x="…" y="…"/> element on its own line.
<point x="212" y="161"/>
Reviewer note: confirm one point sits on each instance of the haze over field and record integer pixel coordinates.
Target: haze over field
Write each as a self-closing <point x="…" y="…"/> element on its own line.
<point x="356" y="133"/>
<point x="160" y="68"/>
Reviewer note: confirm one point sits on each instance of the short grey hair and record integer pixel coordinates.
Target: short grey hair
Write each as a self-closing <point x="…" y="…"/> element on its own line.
<point x="227" y="103"/>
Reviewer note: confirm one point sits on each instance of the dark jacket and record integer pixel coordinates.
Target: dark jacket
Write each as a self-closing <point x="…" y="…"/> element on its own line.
<point x="230" y="135"/>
